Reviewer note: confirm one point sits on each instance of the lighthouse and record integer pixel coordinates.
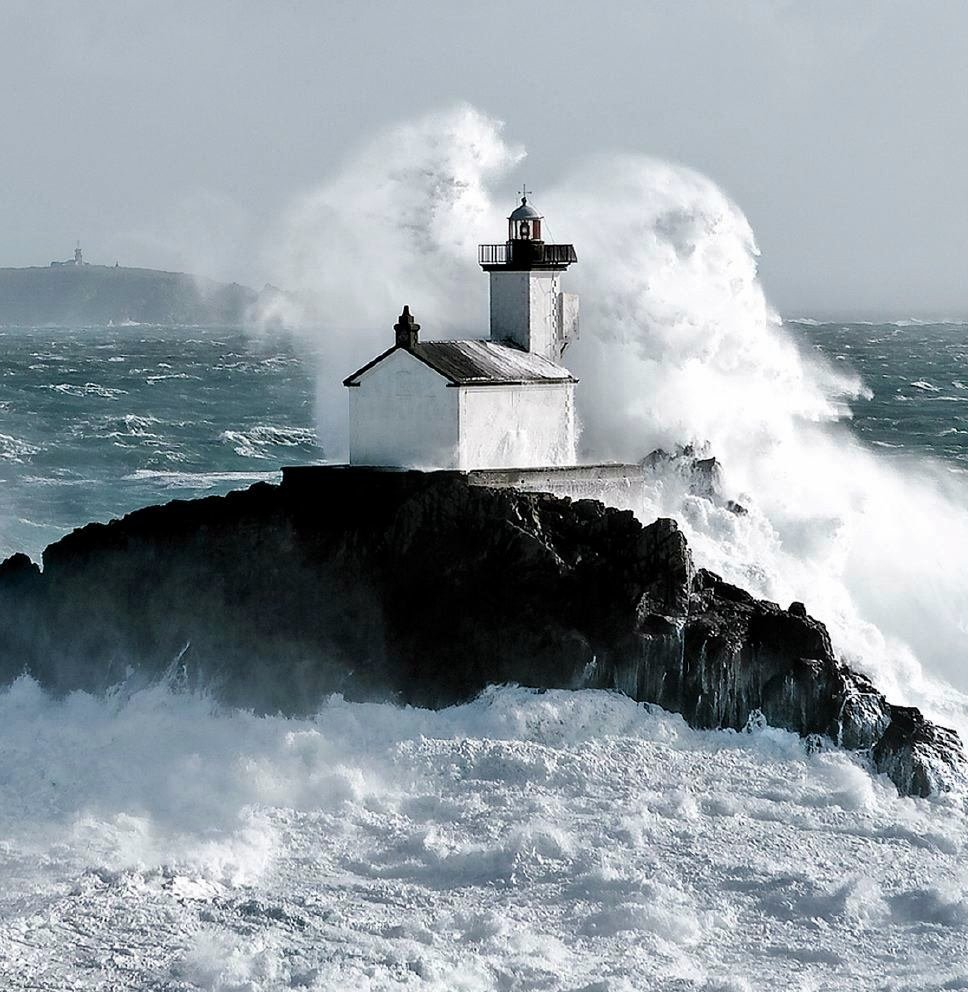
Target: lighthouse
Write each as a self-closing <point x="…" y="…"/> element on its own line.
<point x="502" y="402"/>
<point x="528" y="308"/>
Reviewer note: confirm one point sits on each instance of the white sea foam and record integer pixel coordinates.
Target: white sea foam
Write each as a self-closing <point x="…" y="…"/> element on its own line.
<point x="88" y="389"/>
<point x="164" y="377"/>
<point x="199" y="480"/>
<point x="139" y="425"/>
<point x="129" y="426"/>
<point x="15" y="449"/>
<point x="258" y="442"/>
<point x="556" y="840"/>
<point x="678" y="344"/>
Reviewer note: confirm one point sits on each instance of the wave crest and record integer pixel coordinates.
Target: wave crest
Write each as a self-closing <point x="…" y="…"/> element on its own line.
<point x="678" y="344"/>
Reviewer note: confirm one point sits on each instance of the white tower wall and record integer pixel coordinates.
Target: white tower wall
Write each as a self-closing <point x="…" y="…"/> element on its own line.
<point x="568" y="311"/>
<point x="529" y="309"/>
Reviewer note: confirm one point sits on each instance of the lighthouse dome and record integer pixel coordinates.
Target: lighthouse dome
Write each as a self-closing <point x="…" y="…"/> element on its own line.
<point x="524" y="212"/>
<point x="524" y="224"/>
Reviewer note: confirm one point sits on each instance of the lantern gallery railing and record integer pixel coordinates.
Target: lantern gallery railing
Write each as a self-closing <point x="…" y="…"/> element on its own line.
<point x="526" y="254"/>
<point x="492" y="254"/>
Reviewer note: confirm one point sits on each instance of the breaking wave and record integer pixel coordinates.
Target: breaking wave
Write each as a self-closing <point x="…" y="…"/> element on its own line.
<point x="200" y="480"/>
<point x="258" y="442"/>
<point x="572" y="840"/>
<point x="679" y="344"/>
<point x="87" y="389"/>
<point x="15" y="449"/>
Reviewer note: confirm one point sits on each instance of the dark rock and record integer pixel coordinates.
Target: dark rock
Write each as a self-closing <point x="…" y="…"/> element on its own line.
<point x="700" y="474"/>
<point x="797" y="609"/>
<point x="917" y="752"/>
<point x="422" y="588"/>
<point x="703" y="476"/>
<point x="18" y="569"/>
<point x="705" y="579"/>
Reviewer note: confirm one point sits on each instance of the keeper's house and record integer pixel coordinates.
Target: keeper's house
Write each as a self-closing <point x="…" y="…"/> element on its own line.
<point x="501" y="402"/>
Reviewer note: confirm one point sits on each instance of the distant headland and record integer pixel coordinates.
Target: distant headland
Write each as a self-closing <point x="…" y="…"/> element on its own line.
<point x="75" y="292"/>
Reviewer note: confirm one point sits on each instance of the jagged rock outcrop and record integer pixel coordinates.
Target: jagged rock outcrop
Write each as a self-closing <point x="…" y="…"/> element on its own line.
<point x="698" y="472"/>
<point x="424" y="588"/>
<point x="702" y="473"/>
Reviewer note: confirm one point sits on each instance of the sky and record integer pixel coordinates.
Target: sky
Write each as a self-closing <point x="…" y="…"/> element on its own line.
<point x="173" y="135"/>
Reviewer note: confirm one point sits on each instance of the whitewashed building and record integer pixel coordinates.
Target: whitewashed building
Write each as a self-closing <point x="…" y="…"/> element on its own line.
<point x="501" y="402"/>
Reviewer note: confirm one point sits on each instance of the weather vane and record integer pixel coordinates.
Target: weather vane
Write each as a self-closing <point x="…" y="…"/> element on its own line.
<point x="524" y="192"/>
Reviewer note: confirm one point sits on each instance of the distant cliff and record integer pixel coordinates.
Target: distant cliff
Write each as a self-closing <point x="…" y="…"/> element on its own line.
<point x="99" y="294"/>
<point x="422" y="588"/>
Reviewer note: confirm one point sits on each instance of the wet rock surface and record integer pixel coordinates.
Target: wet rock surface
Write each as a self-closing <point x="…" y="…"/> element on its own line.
<point x="421" y="588"/>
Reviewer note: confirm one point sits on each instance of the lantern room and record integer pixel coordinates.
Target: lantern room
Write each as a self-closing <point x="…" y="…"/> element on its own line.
<point x="524" y="224"/>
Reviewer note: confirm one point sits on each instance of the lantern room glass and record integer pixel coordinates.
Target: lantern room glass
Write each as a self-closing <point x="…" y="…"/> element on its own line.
<point x="526" y="229"/>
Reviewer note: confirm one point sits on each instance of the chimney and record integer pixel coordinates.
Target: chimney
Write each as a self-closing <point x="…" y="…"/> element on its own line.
<point x="406" y="330"/>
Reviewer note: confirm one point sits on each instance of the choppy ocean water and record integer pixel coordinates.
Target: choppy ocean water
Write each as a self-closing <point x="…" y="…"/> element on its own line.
<point x="556" y="841"/>
<point x="917" y="374"/>
<point x="95" y="422"/>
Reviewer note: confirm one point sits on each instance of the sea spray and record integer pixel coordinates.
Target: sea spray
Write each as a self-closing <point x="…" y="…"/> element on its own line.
<point x="678" y="344"/>
<point x="399" y="224"/>
<point x="565" y="838"/>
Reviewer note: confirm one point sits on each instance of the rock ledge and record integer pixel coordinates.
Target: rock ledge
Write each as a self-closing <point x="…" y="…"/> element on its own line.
<point x="422" y="588"/>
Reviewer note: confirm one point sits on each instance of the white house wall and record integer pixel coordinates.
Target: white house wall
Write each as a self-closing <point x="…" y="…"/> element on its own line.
<point x="403" y="413"/>
<point x="530" y="426"/>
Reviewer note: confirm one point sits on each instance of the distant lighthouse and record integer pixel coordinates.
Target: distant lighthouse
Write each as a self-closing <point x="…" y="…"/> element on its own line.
<point x="495" y="403"/>
<point x="77" y="260"/>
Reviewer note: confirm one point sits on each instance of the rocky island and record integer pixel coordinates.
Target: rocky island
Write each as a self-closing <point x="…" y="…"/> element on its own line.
<point x="80" y="294"/>
<point x="424" y="587"/>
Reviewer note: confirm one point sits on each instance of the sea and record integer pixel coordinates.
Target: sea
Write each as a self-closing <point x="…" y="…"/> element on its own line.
<point x="917" y="377"/>
<point x="526" y="840"/>
<point x="98" y="421"/>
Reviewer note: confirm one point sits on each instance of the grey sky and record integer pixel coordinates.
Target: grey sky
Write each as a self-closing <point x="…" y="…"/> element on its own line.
<point x="171" y="134"/>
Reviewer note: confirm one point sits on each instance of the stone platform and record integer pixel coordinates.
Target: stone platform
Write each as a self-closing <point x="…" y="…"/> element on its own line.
<point x="616" y="483"/>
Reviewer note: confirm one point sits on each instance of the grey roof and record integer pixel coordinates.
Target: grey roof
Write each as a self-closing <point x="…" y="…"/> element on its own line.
<point x="478" y="363"/>
<point x="524" y="212"/>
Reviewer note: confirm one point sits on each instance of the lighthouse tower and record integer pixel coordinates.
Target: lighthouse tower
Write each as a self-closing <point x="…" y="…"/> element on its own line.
<point x="528" y="308"/>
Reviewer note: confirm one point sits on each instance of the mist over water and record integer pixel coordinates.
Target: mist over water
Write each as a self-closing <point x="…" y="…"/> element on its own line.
<point x="398" y="225"/>
<point x="678" y="345"/>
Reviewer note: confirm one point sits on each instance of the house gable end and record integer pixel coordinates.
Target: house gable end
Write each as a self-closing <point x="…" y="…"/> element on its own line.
<point x="360" y="374"/>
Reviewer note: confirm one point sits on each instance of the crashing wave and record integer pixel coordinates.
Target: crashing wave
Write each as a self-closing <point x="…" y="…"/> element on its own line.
<point x="679" y="345"/>
<point x="15" y="449"/>
<point x="256" y="442"/>
<point x="556" y="837"/>
<point x="88" y="389"/>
